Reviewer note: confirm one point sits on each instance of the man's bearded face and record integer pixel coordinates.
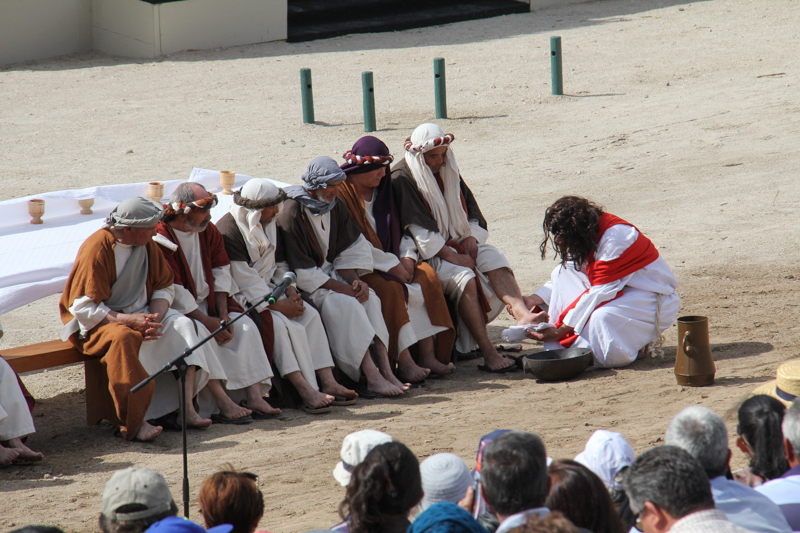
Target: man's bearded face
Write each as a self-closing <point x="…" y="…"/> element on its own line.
<point x="268" y="214"/>
<point x="197" y="220"/>
<point x="328" y="194"/>
<point x="435" y="158"/>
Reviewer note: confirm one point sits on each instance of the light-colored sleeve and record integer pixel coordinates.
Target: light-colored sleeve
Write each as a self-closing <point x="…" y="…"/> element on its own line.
<point x="311" y="279"/>
<point x="281" y="269"/>
<point x="167" y="294"/>
<point x="478" y="232"/>
<point x="615" y="241"/>
<point x="383" y="261"/>
<point x="357" y="256"/>
<point x="88" y="313"/>
<point x="183" y="302"/>
<point x="408" y="248"/>
<point x="251" y="285"/>
<point x="545" y="292"/>
<point x="222" y="279"/>
<point x="429" y="243"/>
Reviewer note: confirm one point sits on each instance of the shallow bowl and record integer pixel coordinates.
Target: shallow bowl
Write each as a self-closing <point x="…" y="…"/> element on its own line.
<point x="558" y="365"/>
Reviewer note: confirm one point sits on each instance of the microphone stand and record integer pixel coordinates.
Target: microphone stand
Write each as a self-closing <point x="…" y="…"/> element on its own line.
<point x="180" y="363"/>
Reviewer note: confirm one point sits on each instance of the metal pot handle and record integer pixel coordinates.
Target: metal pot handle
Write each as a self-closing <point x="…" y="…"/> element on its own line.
<point x="687" y="349"/>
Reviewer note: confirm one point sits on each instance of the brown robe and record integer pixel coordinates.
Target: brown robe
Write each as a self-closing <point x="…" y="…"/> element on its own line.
<point x="391" y="291"/>
<point x="117" y="346"/>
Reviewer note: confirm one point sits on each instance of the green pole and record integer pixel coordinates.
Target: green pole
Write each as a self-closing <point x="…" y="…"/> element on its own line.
<point x="439" y="87"/>
<point x="307" y="95"/>
<point x="555" y="66"/>
<point x="369" y="101"/>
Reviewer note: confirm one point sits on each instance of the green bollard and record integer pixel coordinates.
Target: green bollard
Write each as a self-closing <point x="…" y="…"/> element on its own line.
<point x="307" y="95"/>
<point x="439" y="88"/>
<point x="555" y="66"/>
<point x="369" y="101"/>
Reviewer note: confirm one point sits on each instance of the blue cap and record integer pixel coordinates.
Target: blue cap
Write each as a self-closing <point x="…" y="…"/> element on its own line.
<point x="178" y="524"/>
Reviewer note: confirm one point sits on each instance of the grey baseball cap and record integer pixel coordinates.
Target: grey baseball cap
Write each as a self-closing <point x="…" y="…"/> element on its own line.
<point x="136" y="484"/>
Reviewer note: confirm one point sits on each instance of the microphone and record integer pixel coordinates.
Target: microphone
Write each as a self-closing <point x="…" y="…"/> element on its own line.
<point x="278" y="291"/>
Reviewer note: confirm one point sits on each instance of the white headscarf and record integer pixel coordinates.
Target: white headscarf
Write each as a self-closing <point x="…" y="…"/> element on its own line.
<point x="446" y="208"/>
<point x="260" y="239"/>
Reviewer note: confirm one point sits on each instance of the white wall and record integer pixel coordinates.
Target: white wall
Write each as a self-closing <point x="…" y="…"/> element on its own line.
<point x="38" y="29"/>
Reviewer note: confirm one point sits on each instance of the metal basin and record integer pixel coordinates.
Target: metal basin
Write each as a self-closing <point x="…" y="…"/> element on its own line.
<point x="558" y="365"/>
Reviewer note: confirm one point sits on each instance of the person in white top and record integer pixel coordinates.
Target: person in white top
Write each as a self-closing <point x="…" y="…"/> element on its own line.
<point x="326" y="250"/>
<point x="15" y="420"/>
<point x="612" y="292"/>
<point x="194" y="249"/>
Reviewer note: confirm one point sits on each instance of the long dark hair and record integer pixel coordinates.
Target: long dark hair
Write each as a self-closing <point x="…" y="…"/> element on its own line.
<point x="577" y="492"/>
<point x="760" y="419"/>
<point x="386" y="483"/>
<point x="575" y="221"/>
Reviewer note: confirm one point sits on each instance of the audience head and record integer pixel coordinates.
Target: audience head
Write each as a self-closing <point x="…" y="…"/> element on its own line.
<point x="570" y="228"/>
<point x="445" y="517"/>
<point x="445" y="478"/>
<point x="355" y="448"/>
<point x="702" y="433"/>
<point x="189" y="207"/>
<point x="665" y="484"/>
<point x="582" y="497"/>
<point x="760" y="435"/>
<point x="231" y="497"/>
<point x="607" y="454"/>
<point x="179" y="524"/>
<point x="514" y="473"/>
<point x="791" y="433"/>
<point x="385" y="486"/>
<point x="134" y="499"/>
<point x="38" y="529"/>
<point x="554" y="522"/>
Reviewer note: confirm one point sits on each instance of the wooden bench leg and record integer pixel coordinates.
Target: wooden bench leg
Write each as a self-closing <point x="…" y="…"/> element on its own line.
<point x="99" y="403"/>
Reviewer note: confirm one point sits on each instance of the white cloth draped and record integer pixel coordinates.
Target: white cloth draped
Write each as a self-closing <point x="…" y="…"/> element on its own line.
<point x="15" y="417"/>
<point x="617" y="330"/>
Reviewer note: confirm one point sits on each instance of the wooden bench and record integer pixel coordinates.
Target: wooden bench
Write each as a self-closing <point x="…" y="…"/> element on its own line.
<point x="99" y="404"/>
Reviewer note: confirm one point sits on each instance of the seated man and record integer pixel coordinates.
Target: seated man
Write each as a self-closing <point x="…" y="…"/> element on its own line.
<point x="669" y="491"/>
<point x="703" y="434"/>
<point x="785" y="490"/>
<point x="15" y="420"/>
<point x="193" y="248"/>
<point x="300" y="345"/>
<point x="439" y="211"/>
<point x="414" y="308"/>
<point x="328" y="253"/>
<point x="114" y="307"/>
<point x="612" y="292"/>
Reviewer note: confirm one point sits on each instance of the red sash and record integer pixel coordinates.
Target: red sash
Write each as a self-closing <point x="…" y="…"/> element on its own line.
<point x="638" y="255"/>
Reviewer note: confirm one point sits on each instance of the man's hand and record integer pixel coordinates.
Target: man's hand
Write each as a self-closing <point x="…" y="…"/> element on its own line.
<point x="550" y="334"/>
<point x="144" y="323"/>
<point x="409" y="264"/>
<point x="469" y="500"/>
<point x="470" y="245"/>
<point x="462" y="260"/>
<point x="400" y="271"/>
<point x="361" y="290"/>
<point x="212" y="324"/>
<point x="292" y="306"/>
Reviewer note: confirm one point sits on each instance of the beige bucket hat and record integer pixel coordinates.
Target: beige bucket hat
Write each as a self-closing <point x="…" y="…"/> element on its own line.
<point x="786" y="386"/>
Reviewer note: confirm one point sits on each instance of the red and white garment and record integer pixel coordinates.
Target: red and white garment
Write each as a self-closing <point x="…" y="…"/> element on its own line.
<point x="612" y="301"/>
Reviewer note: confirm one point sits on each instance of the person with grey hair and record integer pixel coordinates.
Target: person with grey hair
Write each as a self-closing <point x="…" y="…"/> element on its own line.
<point x="785" y="490"/>
<point x="115" y="307"/>
<point x="134" y="499"/>
<point x="195" y="251"/>
<point x="702" y="433"/>
<point x="325" y="248"/>
<point x="670" y="491"/>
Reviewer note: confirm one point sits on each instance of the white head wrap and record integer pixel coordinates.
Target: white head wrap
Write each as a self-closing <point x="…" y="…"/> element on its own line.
<point x="260" y="239"/>
<point x="446" y="208"/>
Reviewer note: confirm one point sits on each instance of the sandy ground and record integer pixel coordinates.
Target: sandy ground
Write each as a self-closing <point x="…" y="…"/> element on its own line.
<point x="683" y="118"/>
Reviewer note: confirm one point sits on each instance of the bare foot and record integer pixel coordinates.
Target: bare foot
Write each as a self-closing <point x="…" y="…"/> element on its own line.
<point x="229" y="409"/>
<point x="396" y="382"/>
<point x="25" y="453"/>
<point x="315" y="399"/>
<point x="435" y="366"/>
<point x="7" y="455"/>
<point x="382" y="386"/>
<point x="195" y="421"/>
<point x="148" y="432"/>
<point x="533" y="318"/>
<point x="409" y="372"/>
<point x="496" y="361"/>
<point x="260" y="405"/>
<point x="335" y="389"/>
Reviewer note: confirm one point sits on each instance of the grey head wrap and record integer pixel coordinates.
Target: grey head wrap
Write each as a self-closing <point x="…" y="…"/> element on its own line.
<point x="136" y="212"/>
<point x="321" y="171"/>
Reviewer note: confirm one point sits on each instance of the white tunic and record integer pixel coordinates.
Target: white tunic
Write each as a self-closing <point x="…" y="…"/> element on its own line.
<point x="15" y="418"/>
<point x="419" y="326"/>
<point x="351" y="325"/>
<point x="454" y="278"/>
<point x="619" y="329"/>
<point x="179" y="333"/>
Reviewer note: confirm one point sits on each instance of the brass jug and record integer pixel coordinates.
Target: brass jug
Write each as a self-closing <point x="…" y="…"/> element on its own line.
<point x="694" y="365"/>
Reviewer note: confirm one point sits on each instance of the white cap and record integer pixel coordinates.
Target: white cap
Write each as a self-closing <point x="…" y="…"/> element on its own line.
<point x="445" y="478"/>
<point x="607" y="453"/>
<point x="355" y="448"/>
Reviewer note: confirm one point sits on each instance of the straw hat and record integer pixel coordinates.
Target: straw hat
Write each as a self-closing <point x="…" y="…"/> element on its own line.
<point x="787" y="385"/>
